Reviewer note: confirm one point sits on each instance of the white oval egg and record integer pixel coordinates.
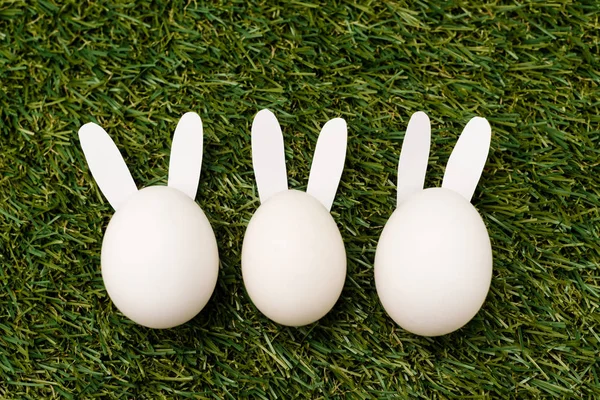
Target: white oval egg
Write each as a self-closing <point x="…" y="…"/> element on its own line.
<point x="159" y="258"/>
<point x="293" y="259"/>
<point x="433" y="265"/>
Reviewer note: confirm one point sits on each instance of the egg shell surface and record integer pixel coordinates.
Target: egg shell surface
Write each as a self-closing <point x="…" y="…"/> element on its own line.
<point x="433" y="264"/>
<point x="293" y="259"/>
<point x="159" y="258"/>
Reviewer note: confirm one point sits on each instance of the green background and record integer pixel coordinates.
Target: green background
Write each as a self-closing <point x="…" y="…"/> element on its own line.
<point x="532" y="69"/>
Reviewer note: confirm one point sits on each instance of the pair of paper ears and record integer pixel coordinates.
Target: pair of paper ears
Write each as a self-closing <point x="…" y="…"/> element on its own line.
<point x="462" y="173"/>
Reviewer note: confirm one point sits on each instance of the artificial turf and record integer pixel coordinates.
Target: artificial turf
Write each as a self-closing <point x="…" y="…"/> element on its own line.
<point x="532" y="69"/>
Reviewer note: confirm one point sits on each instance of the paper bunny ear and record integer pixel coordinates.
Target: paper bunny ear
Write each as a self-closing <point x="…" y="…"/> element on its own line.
<point x="185" y="163"/>
<point x="468" y="158"/>
<point x="414" y="156"/>
<point x="268" y="157"/>
<point x="106" y="164"/>
<point x="328" y="162"/>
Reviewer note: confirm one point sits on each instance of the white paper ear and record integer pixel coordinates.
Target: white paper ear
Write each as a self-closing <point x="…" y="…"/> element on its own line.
<point x="328" y="162"/>
<point x="186" y="155"/>
<point x="268" y="156"/>
<point x="106" y="164"/>
<point x="414" y="156"/>
<point x="468" y="158"/>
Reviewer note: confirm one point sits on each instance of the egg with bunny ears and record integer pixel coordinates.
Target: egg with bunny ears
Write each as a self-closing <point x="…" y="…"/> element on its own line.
<point x="433" y="264"/>
<point x="159" y="257"/>
<point x="293" y="256"/>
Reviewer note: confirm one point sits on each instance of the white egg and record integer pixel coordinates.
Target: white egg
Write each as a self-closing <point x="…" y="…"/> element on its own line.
<point x="293" y="259"/>
<point x="159" y="258"/>
<point x="433" y="265"/>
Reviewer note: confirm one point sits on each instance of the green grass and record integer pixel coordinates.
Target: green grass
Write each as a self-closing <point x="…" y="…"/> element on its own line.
<point x="532" y="69"/>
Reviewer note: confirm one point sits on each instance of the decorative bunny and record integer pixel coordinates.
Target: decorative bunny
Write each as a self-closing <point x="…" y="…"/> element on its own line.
<point x="159" y="255"/>
<point x="433" y="265"/>
<point x="293" y="256"/>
